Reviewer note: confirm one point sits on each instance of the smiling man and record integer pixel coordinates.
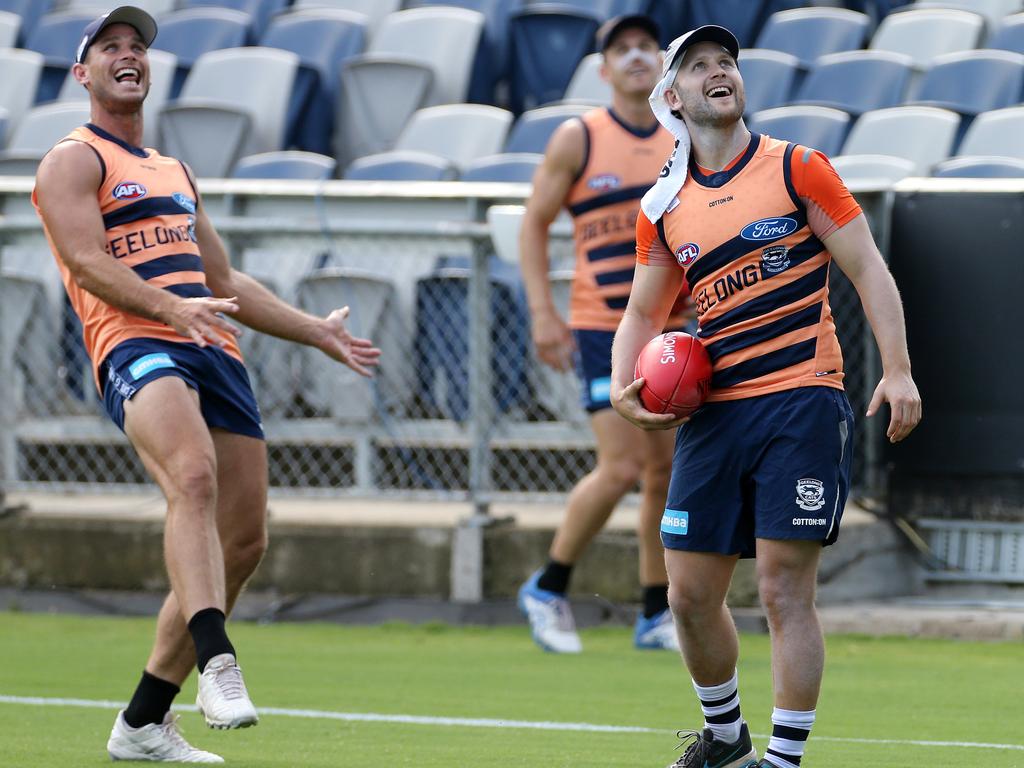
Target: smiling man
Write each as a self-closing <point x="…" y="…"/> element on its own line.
<point x="750" y="225"/>
<point x="153" y="286"/>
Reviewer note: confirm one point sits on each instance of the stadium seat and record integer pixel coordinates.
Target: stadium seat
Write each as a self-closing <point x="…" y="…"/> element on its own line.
<point x="30" y="11"/>
<point x="992" y="10"/>
<point x="222" y="87"/>
<point x="999" y="132"/>
<point x="375" y="11"/>
<point x="10" y="28"/>
<point x="1009" y="34"/>
<point x="533" y="129"/>
<point x="884" y="167"/>
<point x="605" y="9"/>
<point x="743" y="17"/>
<point x="401" y="166"/>
<point x="324" y="40"/>
<point x="857" y="81"/>
<point x="768" y="78"/>
<point x="22" y="70"/>
<point x="154" y="8"/>
<point x="504" y="222"/>
<point x="548" y="43"/>
<point x="810" y="33"/>
<point x="36" y="133"/>
<point x="923" y="135"/>
<point x="259" y="11"/>
<point x="375" y="313"/>
<point x="925" y="34"/>
<point x="460" y="133"/>
<point x="821" y="128"/>
<point x="512" y="167"/>
<point x="188" y="34"/>
<point x="56" y="36"/>
<point x="162" y="68"/>
<point x="971" y="82"/>
<point x="982" y="167"/>
<point x="285" y="165"/>
<point x="587" y="86"/>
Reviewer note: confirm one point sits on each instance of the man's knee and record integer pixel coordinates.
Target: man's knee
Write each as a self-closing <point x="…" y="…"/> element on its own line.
<point x="785" y="593"/>
<point x="194" y="482"/>
<point x="623" y="472"/>
<point x="691" y="605"/>
<point x="242" y="555"/>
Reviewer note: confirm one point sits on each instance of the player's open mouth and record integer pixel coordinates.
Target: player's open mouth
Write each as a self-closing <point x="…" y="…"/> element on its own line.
<point x="128" y="75"/>
<point x="719" y="91"/>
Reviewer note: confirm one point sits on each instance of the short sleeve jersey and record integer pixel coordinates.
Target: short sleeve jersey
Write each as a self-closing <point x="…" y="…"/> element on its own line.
<point x="749" y="241"/>
<point x="148" y="205"/>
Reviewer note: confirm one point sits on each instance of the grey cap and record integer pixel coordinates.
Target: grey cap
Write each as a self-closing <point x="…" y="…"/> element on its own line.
<point x="143" y="23"/>
<point x="709" y="33"/>
<point x="611" y="28"/>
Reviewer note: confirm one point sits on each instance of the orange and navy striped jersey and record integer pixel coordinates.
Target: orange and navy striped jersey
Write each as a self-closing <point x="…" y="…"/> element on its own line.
<point x="620" y="163"/>
<point x="148" y="205"/>
<point x="749" y="240"/>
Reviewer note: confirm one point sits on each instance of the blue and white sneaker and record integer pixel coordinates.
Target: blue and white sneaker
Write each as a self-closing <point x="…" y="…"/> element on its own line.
<point x="657" y="633"/>
<point x="550" y="617"/>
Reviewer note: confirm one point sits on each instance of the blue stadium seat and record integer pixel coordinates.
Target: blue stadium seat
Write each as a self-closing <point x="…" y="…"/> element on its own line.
<point x="1009" y="35"/>
<point x="809" y="33"/>
<point x="515" y="167"/>
<point x="548" y="42"/>
<point x="533" y="129"/>
<point x="442" y="337"/>
<point x="401" y="166"/>
<point x="768" y="78"/>
<point x="285" y="165"/>
<point x="973" y="82"/>
<point x="820" y="128"/>
<point x="259" y="11"/>
<point x="604" y="9"/>
<point x="875" y="9"/>
<point x="980" y="167"/>
<point x="743" y="17"/>
<point x="30" y="12"/>
<point x="324" y="41"/>
<point x="856" y="81"/>
<point x="670" y="18"/>
<point x="56" y="36"/>
<point x="190" y="33"/>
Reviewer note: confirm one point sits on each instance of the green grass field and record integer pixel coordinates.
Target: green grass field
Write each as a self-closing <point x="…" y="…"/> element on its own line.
<point x="896" y="693"/>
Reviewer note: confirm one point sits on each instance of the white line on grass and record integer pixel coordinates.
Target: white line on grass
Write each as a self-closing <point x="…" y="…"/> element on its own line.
<point x="479" y="722"/>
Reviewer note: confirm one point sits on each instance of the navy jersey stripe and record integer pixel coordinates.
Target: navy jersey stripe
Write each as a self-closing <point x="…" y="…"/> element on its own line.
<point x="793" y="322"/>
<point x="189" y="290"/>
<point x="789" y="293"/>
<point x="764" y="364"/>
<point x="615" y="277"/>
<point x="165" y="265"/>
<point x="617" y="302"/>
<point x="734" y="249"/>
<point x="617" y="196"/>
<point x="143" y="209"/>
<point x="626" y="248"/>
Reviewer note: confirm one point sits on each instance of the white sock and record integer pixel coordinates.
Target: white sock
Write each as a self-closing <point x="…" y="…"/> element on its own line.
<point x="721" y="707"/>
<point x="790" y="729"/>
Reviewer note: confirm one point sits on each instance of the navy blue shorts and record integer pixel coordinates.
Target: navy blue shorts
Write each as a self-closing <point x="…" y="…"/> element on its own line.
<point x="594" y="368"/>
<point x="770" y="467"/>
<point x="225" y="395"/>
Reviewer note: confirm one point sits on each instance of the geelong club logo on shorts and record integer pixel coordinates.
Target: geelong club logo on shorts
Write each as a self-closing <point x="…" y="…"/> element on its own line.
<point x="810" y="494"/>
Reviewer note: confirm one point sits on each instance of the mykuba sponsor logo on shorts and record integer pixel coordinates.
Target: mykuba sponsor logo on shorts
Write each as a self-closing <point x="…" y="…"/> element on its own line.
<point x="769" y="229"/>
<point x="675" y="521"/>
<point x="810" y="495"/>
<point x="129" y="190"/>
<point x="148" y="363"/>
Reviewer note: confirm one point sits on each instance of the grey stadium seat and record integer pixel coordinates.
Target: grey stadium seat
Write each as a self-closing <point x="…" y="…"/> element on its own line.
<point x="768" y="78"/>
<point x="587" y="85"/>
<point x="980" y="167"/>
<point x="820" y="128"/>
<point x="459" y="133"/>
<point x="925" y="34"/>
<point x="287" y="164"/>
<point x="923" y="135"/>
<point x="401" y="166"/>
<point x="152" y="7"/>
<point x="22" y="70"/>
<point x="38" y="131"/>
<point x="999" y="132"/>
<point x="10" y="27"/>
<point x="375" y="11"/>
<point x="885" y="167"/>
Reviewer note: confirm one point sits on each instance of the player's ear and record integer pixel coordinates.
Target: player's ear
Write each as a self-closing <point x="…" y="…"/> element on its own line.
<point x="81" y="73"/>
<point x="604" y="71"/>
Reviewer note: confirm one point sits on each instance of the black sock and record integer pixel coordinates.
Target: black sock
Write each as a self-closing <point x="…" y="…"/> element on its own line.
<point x="150" y="702"/>
<point x="207" y="628"/>
<point x="555" y="577"/>
<point x="655" y="600"/>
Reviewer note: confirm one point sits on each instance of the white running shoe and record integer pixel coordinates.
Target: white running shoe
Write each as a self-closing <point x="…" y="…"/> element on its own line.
<point x="222" y="698"/>
<point x="550" y="616"/>
<point x="154" y="743"/>
<point x="656" y="633"/>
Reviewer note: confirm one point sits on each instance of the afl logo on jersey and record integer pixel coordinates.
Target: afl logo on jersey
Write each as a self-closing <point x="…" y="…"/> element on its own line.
<point x="604" y="182"/>
<point x="129" y="190"/>
<point x="769" y="229"/>
<point x="687" y="254"/>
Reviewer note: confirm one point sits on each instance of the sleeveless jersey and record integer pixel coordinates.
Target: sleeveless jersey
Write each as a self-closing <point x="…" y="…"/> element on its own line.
<point x="148" y="205"/>
<point x="749" y="240"/>
<point x="619" y="166"/>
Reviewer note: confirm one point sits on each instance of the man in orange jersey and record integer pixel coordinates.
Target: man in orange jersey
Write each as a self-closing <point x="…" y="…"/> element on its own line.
<point x="151" y="282"/>
<point x="598" y="167"/>
<point x="749" y="226"/>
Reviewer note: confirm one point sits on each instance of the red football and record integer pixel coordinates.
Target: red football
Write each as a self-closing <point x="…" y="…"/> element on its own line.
<point x="677" y="374"/>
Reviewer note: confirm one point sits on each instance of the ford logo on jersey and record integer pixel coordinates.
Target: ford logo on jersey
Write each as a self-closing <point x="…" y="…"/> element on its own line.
<point x="769" y="229"/>
<point x="129" y="190"/>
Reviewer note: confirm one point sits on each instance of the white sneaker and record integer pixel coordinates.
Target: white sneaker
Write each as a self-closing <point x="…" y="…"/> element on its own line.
<point x="222" y="698"/>
<point x="656" y="633"/>
<point x="155" y="743"/>
<point x="550" y="616"/>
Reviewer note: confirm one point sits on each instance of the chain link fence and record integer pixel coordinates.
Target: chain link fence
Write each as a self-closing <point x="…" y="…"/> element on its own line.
<point x="459" y="409"/>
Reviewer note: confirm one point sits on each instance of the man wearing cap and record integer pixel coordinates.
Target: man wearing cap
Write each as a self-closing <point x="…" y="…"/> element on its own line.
<point x="151" y="282"/>
<point x="598" y="167"/>
<point x="749" y="225"/>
